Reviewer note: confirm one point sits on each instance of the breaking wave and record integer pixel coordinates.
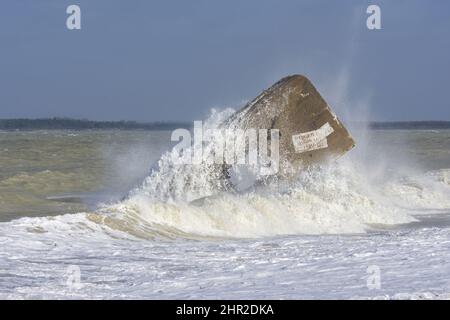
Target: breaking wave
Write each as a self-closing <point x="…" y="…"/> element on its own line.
<point x="340" y="197"/>
<point x="324" y="200"/>
<point x="188" y="201"/>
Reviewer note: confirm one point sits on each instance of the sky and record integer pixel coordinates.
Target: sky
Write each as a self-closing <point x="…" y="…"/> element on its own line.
<point x="168" y="60"/>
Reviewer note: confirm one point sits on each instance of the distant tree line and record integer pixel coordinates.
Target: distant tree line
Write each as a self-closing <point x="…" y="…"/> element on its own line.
<point x="410" y="125"/>
<point x="80" y="124"/>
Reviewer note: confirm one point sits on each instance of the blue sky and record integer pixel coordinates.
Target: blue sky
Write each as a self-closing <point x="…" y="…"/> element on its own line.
<point x="175" y="60"/>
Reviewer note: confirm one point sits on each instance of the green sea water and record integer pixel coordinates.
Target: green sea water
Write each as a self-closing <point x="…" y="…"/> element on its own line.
<point x="52" y="172"/>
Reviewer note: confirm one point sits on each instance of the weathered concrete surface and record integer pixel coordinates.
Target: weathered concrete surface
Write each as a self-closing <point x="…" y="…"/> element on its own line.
<point x="295" y="107"/>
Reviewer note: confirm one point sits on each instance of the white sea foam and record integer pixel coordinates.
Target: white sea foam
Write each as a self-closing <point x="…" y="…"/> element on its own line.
<point x="38" y="252"/>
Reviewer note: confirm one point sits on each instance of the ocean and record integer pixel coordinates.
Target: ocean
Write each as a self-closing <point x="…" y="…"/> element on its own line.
<point x="105" y="214"/>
